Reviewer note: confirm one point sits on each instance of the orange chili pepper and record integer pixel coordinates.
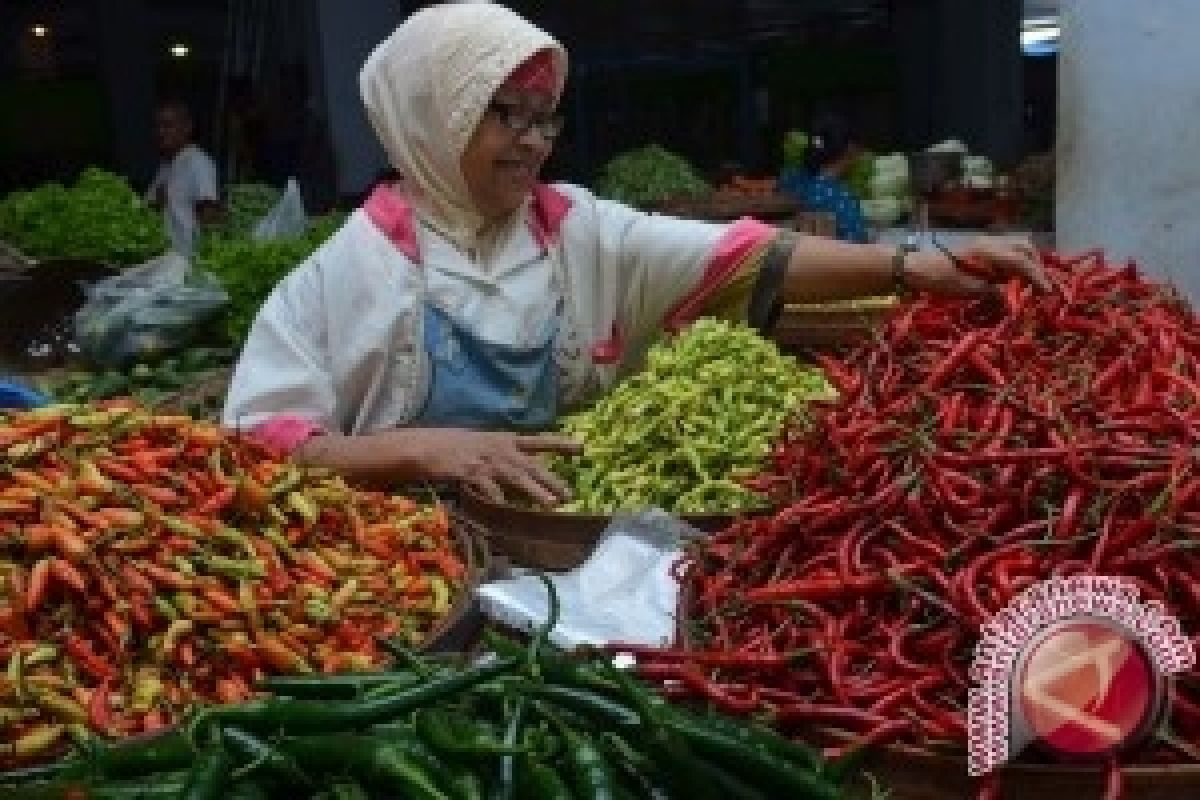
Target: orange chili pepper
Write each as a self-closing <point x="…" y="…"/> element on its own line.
<point x="158" y="494"/>
<point x="166" y="577"/>
<point x="70" y="545"/>
<point x="100" y="709"/>
<point x="39" y="582"/>
<point x="278" y="655"/>
<point x="66" y="573"/>
<point x="221" y="600"/>
<point x="121" y="472"/>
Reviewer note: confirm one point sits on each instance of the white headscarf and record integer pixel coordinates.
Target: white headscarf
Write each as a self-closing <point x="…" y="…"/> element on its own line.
<point x="427" y="86"/>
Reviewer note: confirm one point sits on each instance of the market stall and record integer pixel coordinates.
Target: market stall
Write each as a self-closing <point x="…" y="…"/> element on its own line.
<point x="186" y="613"/>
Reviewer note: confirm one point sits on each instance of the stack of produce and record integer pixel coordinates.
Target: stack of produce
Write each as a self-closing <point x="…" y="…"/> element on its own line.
<point x="649" y="176"/>
<point x="245" y="205"/>
<point x="150" y="563"/>
<point x="888" y="195"/>
<point x="150" y="384"/>
<point x="739" y="186"/>
<point x="98" y="219"/>
<point x="249" y="269"/>
<point x="682" y="433"/>
<point x="977" y="448"/>
<point x="529" y="723"/>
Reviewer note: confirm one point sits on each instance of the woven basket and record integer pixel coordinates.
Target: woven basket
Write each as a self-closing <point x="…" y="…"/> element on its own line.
<point x="804" y="329"/>
<point x="915" y="774"/>
<point x="552" y="539"/>
<point x="203" y="398"/>
<point x="907" y="772"/>
<point x="459" y="630"/>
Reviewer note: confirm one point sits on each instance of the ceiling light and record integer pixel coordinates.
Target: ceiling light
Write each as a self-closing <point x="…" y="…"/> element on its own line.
<point x="40" y="31"/>
<point x="180" y="50"/>
<point x="1040" y="36"/>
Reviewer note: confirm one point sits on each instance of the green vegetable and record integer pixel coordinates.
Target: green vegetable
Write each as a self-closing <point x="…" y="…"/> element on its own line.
<point x="494" y="729"/>
<point x="245" y="205"/>
<point x="795" y="147"/>
<point x="704" y="412"/>
<point x="100" y="218"/>
<point x="149" y="383"/>
<point x="648" y="176"/>
<point x="250" y="269"/>
<point x="210" y="773"/>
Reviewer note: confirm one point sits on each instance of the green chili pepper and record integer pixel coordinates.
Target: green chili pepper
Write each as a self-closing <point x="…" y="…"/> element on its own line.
<point x="753" y="763"/>
<point x="597" y="707"/>
<point x="310" y="716"/>
<point x="454" y="734"/>
<point x="373" y="761"/>
<point x="255" y="754"/>
<point x="129" y="758"/>
<point x="232" y="567"/>
<point x="343" y="790"/>
<point x="246" y="789"/>
<point x="336" y="687"/>
<point x="542" y="782"/>
<point x="706" y="411"/>
<point x="210" y="773"/>
<point x="591" y="774"/>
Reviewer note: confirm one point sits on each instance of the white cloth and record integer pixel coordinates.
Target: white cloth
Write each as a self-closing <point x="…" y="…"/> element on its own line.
<point x="340" y="342"/>
<point x="188" y="178"/>
<point x="427" y="86"/>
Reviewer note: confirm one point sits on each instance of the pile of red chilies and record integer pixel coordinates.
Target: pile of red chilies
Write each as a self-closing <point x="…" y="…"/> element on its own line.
<point x="978" y="447"/>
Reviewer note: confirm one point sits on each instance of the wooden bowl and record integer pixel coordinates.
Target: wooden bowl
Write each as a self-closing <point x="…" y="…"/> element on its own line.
<point x="553" y="539"/>
<point x="804" y="329"/>
<point x="915" y="774"/>
<point x="458" y="630"/>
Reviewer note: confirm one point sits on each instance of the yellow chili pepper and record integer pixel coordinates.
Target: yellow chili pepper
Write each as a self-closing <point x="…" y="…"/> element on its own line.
<point x="59" y="705"/>
<point x="36" y="741"/>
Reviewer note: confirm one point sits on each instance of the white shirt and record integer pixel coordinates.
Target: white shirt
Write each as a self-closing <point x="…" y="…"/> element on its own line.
<point x="340" y="341"/>
<point x="190" y="178"/>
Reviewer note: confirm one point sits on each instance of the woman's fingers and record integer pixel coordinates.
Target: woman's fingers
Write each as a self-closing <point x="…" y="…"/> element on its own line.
<point x="487" y="487"/>
<point x="522" y="480"/>
<point x="549" y="443"/>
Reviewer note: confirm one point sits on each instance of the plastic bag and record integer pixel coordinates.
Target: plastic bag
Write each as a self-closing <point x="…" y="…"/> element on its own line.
<point x="146" y="311"/>
<point x="624" y="592"/>
<point x="287" y="219"/>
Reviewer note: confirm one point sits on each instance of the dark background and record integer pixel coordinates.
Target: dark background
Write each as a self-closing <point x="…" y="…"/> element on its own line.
<point x="715" y="80"/>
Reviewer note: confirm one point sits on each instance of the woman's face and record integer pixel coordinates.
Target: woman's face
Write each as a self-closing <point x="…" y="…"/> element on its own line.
<point x="507" y="150"/>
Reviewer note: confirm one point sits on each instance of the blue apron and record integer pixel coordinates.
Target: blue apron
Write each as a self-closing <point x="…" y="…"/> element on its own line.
<point x="486" y="386"/>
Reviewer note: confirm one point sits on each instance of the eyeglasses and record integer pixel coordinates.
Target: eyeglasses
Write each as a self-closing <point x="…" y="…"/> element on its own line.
<point x="521" y="120"/>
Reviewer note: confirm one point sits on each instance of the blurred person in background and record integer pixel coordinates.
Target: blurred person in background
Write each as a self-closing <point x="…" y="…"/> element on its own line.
<point x="821" y="185"/>
<point x="185" y="187"/>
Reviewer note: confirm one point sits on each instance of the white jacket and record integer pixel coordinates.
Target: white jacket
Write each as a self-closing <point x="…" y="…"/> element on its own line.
<point x="339" y="342"/>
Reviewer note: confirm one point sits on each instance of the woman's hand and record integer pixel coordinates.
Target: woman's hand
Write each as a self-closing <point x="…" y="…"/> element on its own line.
<point x="986" y="262"/>
<point x="495" y="462"/>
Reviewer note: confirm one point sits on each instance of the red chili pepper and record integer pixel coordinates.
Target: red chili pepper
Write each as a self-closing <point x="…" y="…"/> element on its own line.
<point x="1072" y="507"/>
<point x="166" y="577"/>
<point x="86" y="659"/>
<point x="39" y="581"/>
<point x="821" y="589"/>
<point x="99" y="708"/>
<point x="219" y="501"/>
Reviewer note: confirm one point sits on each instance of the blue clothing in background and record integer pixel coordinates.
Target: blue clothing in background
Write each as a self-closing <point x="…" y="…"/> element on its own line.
<point x="821" y="193"/>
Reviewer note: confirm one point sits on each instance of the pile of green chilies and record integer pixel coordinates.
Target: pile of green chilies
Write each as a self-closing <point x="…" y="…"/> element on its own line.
<point x="525" y="722"/>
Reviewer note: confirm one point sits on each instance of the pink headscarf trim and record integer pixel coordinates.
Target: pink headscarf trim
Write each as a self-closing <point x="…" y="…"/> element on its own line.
<point x="535" y="74"/>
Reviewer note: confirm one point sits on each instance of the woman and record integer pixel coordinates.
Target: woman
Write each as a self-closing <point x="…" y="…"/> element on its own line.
<point x="820" y="186"/>
<point x="455" y="314"/>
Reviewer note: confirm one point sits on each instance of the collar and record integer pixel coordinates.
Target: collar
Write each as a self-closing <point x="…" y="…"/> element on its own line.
<point x="392" y="214"/>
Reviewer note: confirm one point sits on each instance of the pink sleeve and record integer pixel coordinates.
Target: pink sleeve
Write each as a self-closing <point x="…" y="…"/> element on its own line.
<point x="740" y="240"/>
<point x="285" y="432"/>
